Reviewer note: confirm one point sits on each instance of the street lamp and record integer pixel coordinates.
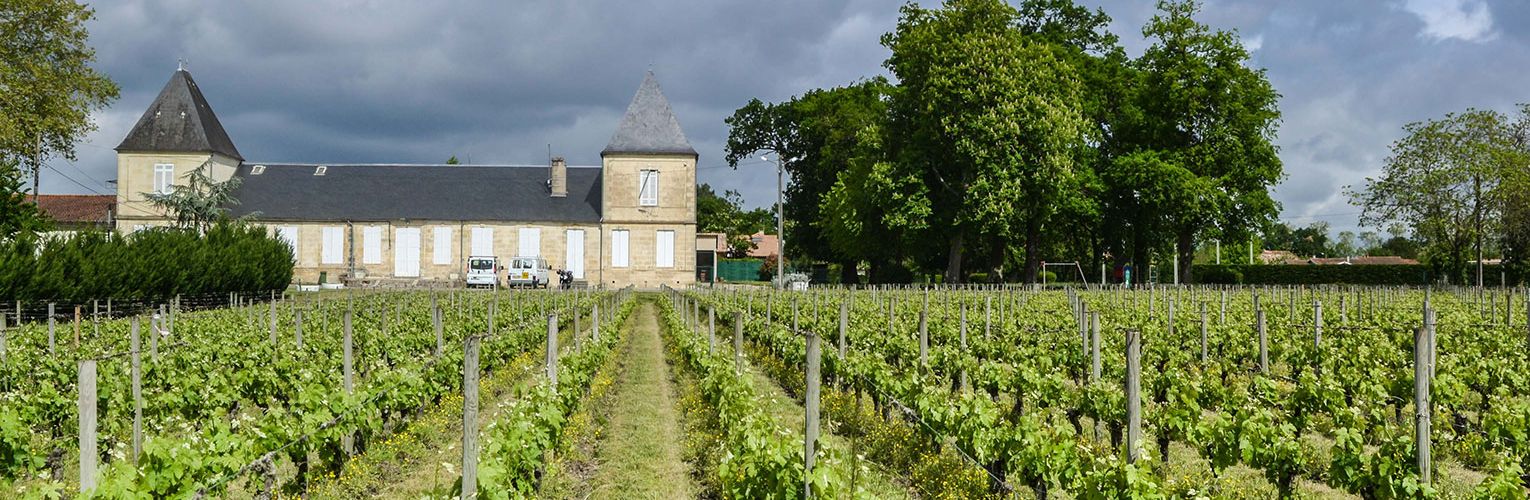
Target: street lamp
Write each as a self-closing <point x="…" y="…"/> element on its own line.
<point x="780" y="223"/>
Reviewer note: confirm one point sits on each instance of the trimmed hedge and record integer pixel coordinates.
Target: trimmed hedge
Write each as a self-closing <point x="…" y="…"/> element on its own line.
<point x="1299" y="274"/>
<point x="154" y="264"/>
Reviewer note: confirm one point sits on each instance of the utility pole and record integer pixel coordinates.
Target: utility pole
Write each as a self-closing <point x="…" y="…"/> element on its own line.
<point x="780" y="221"/>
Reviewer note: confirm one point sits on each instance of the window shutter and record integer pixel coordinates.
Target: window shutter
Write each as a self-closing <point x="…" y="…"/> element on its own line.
<point x="334" y="242"/>
<point x="664" y="249"/>
<point x="371" y="249"/>
<point x="442" y="247"/>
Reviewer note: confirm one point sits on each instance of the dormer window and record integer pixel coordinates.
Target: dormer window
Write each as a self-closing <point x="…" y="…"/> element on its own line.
<point x="164" y="178"/>
<point x="648" y="188"/>
<point x="257" y="170"/>
<point x="320" y="170"/>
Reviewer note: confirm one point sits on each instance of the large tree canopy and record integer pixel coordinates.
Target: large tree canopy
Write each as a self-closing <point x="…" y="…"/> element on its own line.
<point x="47" y="87"/>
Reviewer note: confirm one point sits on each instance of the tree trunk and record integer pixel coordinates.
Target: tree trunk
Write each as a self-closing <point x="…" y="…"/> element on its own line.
<point x="847" y="274"/>
<point x="954" y="259"/>
<point x="996" y="263"/>
<point x="1185" y="252"/>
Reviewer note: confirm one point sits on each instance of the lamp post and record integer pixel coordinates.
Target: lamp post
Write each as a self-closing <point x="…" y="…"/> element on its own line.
<point x="780" y="223"/>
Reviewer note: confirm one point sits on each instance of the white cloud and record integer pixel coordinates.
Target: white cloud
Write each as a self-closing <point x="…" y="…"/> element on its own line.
<point x="1468" y="20"/>
<point x="1254" y="43"/>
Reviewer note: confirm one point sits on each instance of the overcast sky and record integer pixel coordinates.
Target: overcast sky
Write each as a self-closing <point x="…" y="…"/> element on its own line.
<point x="375" y="81"/>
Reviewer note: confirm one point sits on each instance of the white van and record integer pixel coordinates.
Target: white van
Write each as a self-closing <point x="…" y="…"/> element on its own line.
<point x="529" y="271"/>
<point x="483" y="271"/>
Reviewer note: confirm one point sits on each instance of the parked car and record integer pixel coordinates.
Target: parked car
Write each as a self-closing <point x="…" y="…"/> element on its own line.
<point x="483" y="271"/>
<point x="529" y="271"/>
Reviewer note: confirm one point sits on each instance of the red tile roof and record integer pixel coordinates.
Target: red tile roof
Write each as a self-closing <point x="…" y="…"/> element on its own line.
<point x="76" y="208"/>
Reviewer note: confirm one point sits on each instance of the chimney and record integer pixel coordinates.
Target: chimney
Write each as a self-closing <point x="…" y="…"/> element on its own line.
<point x="559" y="181"/>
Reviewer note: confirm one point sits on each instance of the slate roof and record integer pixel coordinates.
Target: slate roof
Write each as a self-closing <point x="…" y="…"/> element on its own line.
<point x="179" y="120"/>
<point x="649" y="127"/>
<point x="291" y="192"/>
<point x="77" y="208"/>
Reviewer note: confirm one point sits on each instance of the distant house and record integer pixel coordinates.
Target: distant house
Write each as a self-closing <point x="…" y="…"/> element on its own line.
<point x="78" y="212"/>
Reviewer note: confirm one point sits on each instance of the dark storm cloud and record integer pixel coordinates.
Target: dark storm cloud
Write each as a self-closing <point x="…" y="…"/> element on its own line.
<point x="497" y="82"/>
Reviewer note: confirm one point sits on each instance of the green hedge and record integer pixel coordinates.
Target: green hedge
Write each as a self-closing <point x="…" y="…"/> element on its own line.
<point x="1299" y="274"/>
<point x="151" y="264"/>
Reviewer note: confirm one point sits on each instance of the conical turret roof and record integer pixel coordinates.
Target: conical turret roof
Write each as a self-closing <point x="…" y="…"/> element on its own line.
<point x="649" y="127"/>
<point x="180" y="120"/>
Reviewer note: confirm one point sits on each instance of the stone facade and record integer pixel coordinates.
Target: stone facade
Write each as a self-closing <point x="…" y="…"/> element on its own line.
<point x="342" y="241"/>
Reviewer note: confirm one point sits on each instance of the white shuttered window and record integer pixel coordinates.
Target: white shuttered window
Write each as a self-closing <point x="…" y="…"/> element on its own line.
<point x="529" y="240"/>
<point x="619" y="248"/>
<point x="164" y="178"/>
<point x="664" y="249"/>
<point x="371" y="245"/>
<point x="483" y="242"/>
<point x="442" y="246"/>
<point x="334" y="245"/>
<point x="648" y="188"/>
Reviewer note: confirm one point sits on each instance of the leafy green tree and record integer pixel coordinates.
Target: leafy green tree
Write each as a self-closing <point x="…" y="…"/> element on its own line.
<point x="1445" y="181"/>
<point x="991" y="118"/>
<point x="453" y="160"/>
<point x="813" y="135"/>
<point x="47" y="87"/>
<point x="1209" y="115"/>
<point x="725" y="214"/>
<point x="875" y="201"/>
<point x="201" y="203"/>
<point x="18" y="215"/>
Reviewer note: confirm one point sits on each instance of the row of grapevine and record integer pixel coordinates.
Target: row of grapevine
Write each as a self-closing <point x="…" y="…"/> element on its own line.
<point x="1027" y="401"/>
<point x="230" y="392"/>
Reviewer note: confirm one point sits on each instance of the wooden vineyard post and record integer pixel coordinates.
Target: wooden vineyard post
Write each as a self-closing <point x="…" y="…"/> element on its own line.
<point x="2" y="339"/>
<point x="595" y="323"/>
<point x="1133" y="393"/>
<point x="552" y="350"/>
<point x="810" y="404"/>
<point x="87" y="434"/>
<point x="76" y="327"/>
<point x="348" y="439"/>
<point x="495" y="300"/>
<point x="470" y="417"/>
<point x="1222" y="314"/>
<point x="272" y="328"/>
<point x="137" y="373"/>
<point x="1422" y="405"/>
<point x="1264" y="342"/>
<point x="575" y="335"/>
<point x="924" y="339"/>
<point x="962" y="380"/>
<point x="1317" y="324"/>
<point x="1203" y="333"/>
<point x="711" y="331"/>
<point x="988" y="317"/>
<point x="1094" y="347"/>
<point x="794" y="314"/>
<point x="1344" y="310"/>
<point x="844" y="324"/>
<point x="1171" y="314"/>
<point x="435" y="324"/>
<point x="738" y="343"/>
<point x="50" y="329"/>
<point x="298" y="327"/>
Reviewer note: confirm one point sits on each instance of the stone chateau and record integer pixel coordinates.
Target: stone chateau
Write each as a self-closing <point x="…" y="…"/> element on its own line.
<point x="629" y="221"/>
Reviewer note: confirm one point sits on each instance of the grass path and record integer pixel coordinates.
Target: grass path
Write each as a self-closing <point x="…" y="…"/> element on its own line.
<point x="425" y="457"/>
<point x="641" y="455"/>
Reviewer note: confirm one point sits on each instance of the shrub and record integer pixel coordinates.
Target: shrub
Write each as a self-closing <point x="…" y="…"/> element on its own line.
<point x="151" y="264"/>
